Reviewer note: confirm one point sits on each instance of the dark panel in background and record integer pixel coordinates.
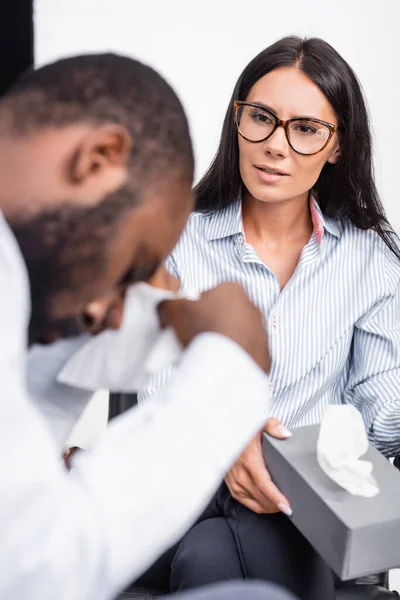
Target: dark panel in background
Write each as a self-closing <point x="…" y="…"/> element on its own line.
<point x="16" y="40"/>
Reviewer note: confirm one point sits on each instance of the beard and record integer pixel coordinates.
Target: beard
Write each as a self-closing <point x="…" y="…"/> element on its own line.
<point x="45" y="330"/>
<point x="65" y="250"/>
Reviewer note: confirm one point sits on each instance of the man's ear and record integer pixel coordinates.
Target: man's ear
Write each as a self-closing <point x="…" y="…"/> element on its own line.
<point x="335" y="154"/>
<point x="102" y="155"/>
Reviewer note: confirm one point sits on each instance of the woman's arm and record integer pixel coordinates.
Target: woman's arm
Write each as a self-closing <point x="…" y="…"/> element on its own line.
<point x="374" y="382"/>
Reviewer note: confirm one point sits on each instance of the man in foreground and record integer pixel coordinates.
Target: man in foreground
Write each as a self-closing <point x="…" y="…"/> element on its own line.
<point x="96" y="171"/>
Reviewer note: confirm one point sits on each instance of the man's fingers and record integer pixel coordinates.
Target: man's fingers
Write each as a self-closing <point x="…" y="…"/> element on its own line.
<point x="275" y="428"/>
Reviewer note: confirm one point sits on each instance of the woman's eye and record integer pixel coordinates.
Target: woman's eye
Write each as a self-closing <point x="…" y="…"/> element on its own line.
<point x="261" y="117"/>
<point x="306" y="129"/>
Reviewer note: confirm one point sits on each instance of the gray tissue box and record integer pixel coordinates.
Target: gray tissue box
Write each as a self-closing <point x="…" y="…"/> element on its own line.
<point x="356" y="536"/>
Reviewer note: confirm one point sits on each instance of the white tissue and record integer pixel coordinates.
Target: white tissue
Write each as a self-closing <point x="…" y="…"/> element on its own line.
<point x="342" y="441"/>
<point x="122" y="360"/>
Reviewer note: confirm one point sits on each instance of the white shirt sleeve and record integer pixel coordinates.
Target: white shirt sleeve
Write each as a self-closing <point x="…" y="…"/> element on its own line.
<point x="61" y="405"/>
<point x="136" y="493"/>
<point x="89" y="534"/>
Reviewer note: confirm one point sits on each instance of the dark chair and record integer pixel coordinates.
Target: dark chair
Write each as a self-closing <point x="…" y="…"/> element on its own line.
<point x="365" y="592"/>
<point x="374" y="587"/>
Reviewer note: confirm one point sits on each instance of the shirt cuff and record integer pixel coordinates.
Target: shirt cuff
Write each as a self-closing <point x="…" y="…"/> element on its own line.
<point x="386" y="429"/>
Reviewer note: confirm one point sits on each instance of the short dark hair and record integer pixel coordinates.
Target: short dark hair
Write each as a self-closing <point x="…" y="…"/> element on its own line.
<point x="66" y="243"/>
<point x="345" y="190"/>
<point x="101" y="89"/>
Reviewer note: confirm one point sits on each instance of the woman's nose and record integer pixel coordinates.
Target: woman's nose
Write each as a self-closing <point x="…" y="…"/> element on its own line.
<point x="277" y="145"/>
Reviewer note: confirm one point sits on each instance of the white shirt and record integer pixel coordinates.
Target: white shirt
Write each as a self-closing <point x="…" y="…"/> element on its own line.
<point x="61" y="405"/>
<point x="87" y="535"/>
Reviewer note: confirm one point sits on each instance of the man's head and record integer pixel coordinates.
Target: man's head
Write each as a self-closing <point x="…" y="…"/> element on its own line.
<point x="96" y="169"/>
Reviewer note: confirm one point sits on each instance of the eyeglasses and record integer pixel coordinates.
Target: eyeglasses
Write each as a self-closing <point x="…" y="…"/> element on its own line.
<point x="305" y="136"/>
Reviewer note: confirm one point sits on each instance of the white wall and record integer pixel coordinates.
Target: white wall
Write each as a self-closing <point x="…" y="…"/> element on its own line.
<point x="201" y="47"/>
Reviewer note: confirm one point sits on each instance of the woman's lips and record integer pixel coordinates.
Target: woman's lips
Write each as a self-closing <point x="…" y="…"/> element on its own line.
<point x="269" y="175"/>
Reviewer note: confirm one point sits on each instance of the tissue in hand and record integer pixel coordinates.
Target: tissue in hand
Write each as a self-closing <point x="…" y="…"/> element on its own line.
<point x="341" y="443"/>
<point x="122" y="360"/>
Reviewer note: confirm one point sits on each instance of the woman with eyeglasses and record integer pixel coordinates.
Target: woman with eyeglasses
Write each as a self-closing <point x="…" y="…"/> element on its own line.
<point x="289" y="209"/>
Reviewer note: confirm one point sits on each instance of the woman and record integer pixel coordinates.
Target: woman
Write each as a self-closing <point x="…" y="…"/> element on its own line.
<point x="289" y="209"/>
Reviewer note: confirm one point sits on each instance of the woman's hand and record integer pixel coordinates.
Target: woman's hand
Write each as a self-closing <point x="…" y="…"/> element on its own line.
<point x="249" y="481"/>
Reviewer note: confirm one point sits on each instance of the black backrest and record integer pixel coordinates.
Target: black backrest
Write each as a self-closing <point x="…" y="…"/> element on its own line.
<point x="16" y="41"/>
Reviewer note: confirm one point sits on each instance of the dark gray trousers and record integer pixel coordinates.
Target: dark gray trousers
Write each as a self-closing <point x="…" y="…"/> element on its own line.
<point x="235" y="591"/>
<point x="229" y="542"/>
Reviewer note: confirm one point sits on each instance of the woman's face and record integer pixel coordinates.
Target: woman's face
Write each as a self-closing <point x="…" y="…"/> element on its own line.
<point x="288" y="93"/>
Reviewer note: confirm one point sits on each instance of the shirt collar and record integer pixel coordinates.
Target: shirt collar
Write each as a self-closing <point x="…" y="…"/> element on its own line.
<point x="228" y="222"/>
<point x="323" y="223"/>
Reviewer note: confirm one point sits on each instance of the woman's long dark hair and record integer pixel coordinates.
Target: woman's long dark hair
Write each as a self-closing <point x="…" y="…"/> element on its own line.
<point x="345" y="190"/>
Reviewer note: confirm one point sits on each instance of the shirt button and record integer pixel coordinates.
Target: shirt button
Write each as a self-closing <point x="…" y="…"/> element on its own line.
<point x="241" y="238"/>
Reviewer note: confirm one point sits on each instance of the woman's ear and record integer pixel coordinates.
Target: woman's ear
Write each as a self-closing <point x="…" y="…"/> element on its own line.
<point x="335" y="154"/>
<point x="101" y="155"/>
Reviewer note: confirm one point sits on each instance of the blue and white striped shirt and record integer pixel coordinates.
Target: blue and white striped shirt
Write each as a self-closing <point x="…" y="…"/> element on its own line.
<point x="334" y="329"/>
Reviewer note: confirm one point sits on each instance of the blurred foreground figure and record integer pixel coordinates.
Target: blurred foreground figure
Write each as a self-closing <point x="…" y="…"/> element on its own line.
<point x="96" y="170"/>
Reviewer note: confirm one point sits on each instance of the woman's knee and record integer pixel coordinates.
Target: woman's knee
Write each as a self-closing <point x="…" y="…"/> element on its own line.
<point x="207" y="554"/>
<point x="252" y="591"/>
<point x="238" y="590"/>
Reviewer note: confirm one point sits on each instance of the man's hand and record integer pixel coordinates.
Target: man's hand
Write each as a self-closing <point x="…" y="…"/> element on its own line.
<point x="68" y="454"/>
<point x="225" y="310"/>
<point x="249" y="481"/>
<point x="108" y="312"/>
